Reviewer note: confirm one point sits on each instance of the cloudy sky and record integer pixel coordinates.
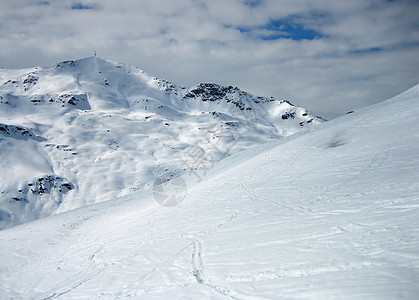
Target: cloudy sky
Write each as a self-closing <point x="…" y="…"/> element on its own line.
<point x="330" y="56"/>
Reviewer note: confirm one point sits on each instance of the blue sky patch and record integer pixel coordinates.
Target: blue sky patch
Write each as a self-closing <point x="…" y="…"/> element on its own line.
<point x="367" y="50"/>
<point x="253" y="3"/>
<point x="288" y="29"/>
<point x="243" y="29"/>
<point x="279" y="29"/>
<point x="80" y="5"/>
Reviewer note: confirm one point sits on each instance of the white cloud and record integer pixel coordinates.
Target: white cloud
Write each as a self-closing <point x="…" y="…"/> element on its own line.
<point x="188" y="41"/>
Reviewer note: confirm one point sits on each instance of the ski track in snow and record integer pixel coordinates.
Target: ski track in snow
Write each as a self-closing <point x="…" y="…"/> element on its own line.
<point x="198" y="270"/>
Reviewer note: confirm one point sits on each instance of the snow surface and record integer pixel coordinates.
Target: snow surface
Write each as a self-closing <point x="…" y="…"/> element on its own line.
<point x="91" y="130"/>
<point x="328" y="213"/>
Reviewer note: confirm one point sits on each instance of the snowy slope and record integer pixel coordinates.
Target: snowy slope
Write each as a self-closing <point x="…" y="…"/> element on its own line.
<point x="330" y="213"/>
<point x="90" y="130"/>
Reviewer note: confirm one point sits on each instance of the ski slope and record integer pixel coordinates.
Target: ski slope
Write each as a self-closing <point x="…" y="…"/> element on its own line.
<point x="329" y="213"/>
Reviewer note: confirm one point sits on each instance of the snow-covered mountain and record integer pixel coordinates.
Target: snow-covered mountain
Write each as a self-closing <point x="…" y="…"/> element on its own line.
<point x="91" y="130"/>
<point x="329" y="213"/>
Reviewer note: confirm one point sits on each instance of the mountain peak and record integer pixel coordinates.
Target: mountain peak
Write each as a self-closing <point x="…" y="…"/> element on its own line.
<point x="106" y="129"/>
<point x="92" y="62"/>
